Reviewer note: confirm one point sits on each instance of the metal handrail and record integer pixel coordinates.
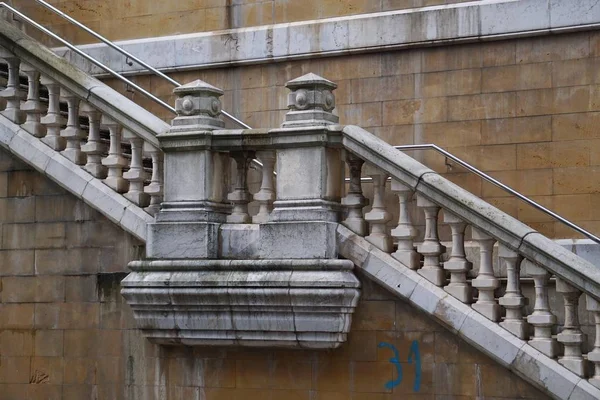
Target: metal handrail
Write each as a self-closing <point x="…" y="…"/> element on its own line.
<point x="87" y="57"/>
<point x="105" y="40"/>
<point x="500" y="185"/>
<point x="128" y="55"/>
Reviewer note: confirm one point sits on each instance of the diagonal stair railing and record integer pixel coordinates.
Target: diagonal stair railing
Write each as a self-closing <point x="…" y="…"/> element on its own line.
<point x="90" y="161"/>
<point x="524" y="253"/>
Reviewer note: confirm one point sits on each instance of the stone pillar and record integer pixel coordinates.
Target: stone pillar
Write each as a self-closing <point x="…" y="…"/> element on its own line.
<point x="309" y="174"/>
<point x="196" y="179"/>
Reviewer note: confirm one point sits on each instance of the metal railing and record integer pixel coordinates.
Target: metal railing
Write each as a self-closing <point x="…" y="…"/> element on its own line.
<point x="448" y="155"/>
<point x="501" y="185"/>
<point x="115" y="74"/>
<point x="128" y="55"/>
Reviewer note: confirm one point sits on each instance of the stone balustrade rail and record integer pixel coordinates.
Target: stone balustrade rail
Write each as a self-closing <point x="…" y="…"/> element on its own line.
<point x="106" y="134"/>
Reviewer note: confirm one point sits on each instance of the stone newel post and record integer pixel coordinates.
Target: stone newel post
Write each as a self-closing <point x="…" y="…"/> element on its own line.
<point x="309" y="171"/>
<point x="196" y="179"/>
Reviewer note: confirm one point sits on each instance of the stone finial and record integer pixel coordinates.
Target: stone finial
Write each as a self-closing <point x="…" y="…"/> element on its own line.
<point x="310" y="102"/>
<point x="198" y="107"/>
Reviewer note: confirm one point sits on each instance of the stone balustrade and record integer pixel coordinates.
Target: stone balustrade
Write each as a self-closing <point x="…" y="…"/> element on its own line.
<point x="125" y="156"/>
<point x="497" y="300"/>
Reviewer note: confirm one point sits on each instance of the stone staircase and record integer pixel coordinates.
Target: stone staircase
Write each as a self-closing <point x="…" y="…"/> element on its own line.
<point x="218" y="274"/>
<point x="80" y="133"/>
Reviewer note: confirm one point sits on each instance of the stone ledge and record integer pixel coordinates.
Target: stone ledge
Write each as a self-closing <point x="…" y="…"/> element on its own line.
<point x="256" y="303"/>
<point x="418" y="27"/>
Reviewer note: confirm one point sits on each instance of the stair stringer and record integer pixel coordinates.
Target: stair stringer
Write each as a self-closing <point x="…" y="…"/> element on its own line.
<point x="74" y="179"/>
<point x="490" y="338"/>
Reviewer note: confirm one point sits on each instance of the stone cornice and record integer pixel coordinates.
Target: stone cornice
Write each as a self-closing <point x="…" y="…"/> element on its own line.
<point x="428" y="26"/>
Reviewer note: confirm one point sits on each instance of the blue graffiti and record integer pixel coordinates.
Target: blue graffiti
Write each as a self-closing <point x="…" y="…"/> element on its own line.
<point x="414" y="352"/>
<point x="414" y="355"/>
<point x="396" y="361"/>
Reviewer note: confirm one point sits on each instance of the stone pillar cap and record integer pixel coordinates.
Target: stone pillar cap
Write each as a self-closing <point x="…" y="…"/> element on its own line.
<point x="197" y="106"/>
<point x="310" y="102"/>
<point x="310" y="79"/>
<point x="198" y="86"/>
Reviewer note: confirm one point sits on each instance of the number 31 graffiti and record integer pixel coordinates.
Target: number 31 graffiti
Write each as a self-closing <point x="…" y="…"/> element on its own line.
<point x="413" y="357"/>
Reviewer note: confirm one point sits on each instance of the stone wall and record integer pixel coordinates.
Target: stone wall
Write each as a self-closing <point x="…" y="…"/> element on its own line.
<point x="65" y="332"/>
<point x="523" y="110"/>
<point x="133" y="19"/>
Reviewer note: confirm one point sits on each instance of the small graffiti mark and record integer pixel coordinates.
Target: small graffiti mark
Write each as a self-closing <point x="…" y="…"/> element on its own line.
<point x="396" y="361"/>
<point x="414" y="357"/>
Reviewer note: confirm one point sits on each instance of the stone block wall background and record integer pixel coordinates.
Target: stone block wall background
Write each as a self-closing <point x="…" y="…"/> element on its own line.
<point x="134" y="19"/>
<point x="65" y="332"/>
<point x="525" y="111"/>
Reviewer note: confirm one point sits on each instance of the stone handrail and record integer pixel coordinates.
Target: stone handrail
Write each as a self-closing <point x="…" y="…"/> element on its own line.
<point x="520" y="248"/>
<point x="130" y="128"/>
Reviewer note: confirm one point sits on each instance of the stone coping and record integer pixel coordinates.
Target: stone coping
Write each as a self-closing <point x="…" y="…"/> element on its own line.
<point x="426" y="26"/>
<point x="132" y="117"/>
<point x="473" y="210"/>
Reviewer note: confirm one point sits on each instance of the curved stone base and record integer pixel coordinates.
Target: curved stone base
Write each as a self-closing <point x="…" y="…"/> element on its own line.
<point x="285" y="303"/>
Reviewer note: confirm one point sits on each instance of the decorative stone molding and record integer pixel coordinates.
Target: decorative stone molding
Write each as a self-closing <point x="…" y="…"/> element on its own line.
<point x="440" y="25"/>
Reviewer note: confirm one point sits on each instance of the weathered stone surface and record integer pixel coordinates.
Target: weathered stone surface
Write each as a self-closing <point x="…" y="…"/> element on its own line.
<point x="290" y="303"/>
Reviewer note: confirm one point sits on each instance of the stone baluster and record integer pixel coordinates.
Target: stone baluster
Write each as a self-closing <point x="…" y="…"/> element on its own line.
<point x="571" y="336"/>
<point x="73" y="134"/>
<point x="33" y="107"/>
<point x="513" y="300"/>
<point x="542" y="318"/>
<point x="405" y="232"/>
<point x="136" y="175"/>
<point x="53" y="121"/>
<point x="378" y="217"/>
<point x="431" y="248"/>
<point x="13" y="94"/>
<point x="240" y="197"/>
<point x="266" y="195"/>
<point x="486" y="282"/>
<point x="155" y="188"/>
<point x="115" y="162"/>
<point x="593" y="306"/>
<point x="94" y="149"/>
<point x="355" y="201"/>
<point x="457" y="264"/>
